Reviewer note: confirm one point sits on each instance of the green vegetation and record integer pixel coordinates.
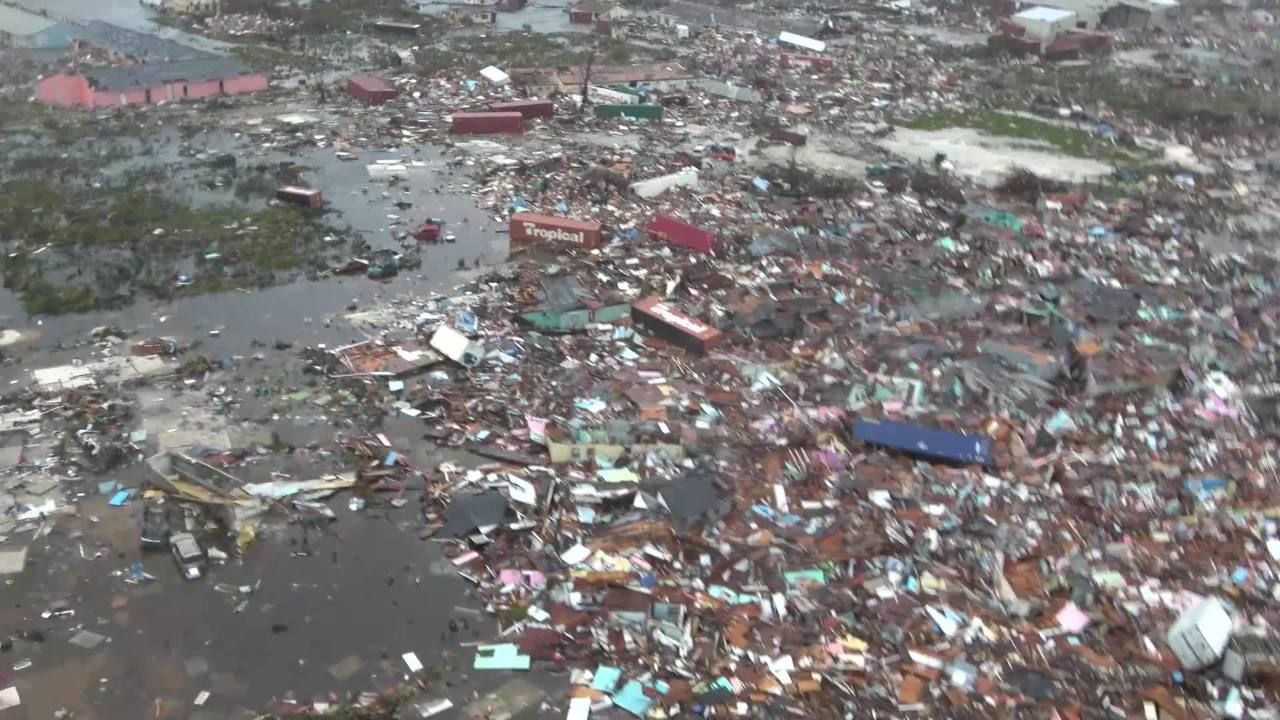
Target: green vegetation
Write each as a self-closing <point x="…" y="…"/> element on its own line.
<point x="323" y="16"/>
<point x="266" y="57"/>
<point x="17" y="115"/>
<point x="1068" y="140"/>
<point x="72" y="248"/>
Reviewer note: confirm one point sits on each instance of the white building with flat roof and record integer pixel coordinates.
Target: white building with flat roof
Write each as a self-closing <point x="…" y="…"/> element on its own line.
<point x="1088" y="12"/>
<point x="1044" y="24"/>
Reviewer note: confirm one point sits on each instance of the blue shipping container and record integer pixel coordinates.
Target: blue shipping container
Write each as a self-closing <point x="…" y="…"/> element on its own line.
<point x="925" y="443"/>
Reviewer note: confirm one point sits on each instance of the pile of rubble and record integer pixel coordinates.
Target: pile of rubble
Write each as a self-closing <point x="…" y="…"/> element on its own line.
<point x="249" y="25"/>
<point x="890" y="411"/>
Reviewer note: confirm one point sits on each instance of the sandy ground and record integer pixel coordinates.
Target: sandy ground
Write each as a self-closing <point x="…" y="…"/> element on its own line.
<point x="986" y="158"/>
<point x="823" y="153"/>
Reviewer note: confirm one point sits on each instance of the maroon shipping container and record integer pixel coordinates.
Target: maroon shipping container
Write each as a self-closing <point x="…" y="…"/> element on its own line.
<point x="488" y="122"/>
<point x="370" y="88"/>
<point x="526" y="108"/>
<point x="306" y="197"/>
<point x="800" y="61"/>
<point x="681" y="233"/>
<point x="791" y="137"/>
<point x="533" y="227"/>
<point x="664" y="321"/>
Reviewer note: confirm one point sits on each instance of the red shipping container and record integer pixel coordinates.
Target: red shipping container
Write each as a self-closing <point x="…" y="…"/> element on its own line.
<point x="534" y="227"/>
<point x="681" y="233"/>
<point x="488" y="122"/>
<point x="370" y="88"/>
<point x="1011" y="28"/>
<point x="306" y="197"/>
<point x="526" y="108"/>
<point x="666" y="322"/>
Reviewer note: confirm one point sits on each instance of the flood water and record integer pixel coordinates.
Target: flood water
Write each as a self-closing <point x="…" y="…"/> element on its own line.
<point x="321" y="612"/>
<point x="273" y="625"/>
<point x="293" y="311"/>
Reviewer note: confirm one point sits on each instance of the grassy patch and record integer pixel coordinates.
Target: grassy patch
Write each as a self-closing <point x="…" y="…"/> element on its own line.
<point x="265" y="57"/>
<point x="1068" y="140"/>
<point x="71" y="248"/>
<point x="64" y="127"/>
<point x="323" y="16"/>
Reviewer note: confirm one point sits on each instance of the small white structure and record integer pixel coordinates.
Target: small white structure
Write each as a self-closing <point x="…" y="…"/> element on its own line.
<point x="457" y="347"/>
<point x="495" y="76"/>
<point x="1044" y="24"/>
<point x="1088" y="12"/>
<point x="800" y="41"/>
<point x="653" y="187"/>
<point x="1201" y="634"/>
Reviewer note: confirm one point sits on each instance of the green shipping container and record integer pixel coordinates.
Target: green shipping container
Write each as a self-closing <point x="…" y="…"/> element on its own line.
<point x="635" y="112"/>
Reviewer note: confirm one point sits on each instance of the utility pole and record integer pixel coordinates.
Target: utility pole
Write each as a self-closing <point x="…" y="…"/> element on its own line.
<point x="586" y="80"/>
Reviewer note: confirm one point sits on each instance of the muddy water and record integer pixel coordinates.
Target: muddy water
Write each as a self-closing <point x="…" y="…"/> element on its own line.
<point x="294" y="311"/>
<point x="337" y="620"/>
<point x="331" y="610"/>
<point x="129" y="14"/>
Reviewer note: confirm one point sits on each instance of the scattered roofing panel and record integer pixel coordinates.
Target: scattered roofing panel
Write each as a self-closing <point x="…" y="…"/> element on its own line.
<point x="155" y="74"/>
<point x="138" y="45"/>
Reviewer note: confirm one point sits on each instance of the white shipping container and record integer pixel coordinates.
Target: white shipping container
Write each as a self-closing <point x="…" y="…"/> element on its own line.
<point x="801" y="41"/>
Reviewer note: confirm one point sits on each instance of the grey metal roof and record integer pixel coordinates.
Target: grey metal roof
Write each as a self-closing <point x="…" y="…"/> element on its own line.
<point x="153" y="75"/>
<point x="20" y="23"/>
<point x="141" y="46"/>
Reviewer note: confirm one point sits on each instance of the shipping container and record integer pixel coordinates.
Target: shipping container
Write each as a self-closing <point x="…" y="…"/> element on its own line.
<point x="487" y="122"/>
<point x="306" y="197"/>
<point x="663" y="321"/>
<point x="681" y="234"/>
<point x="633" y="112"/>
<point x="924" y="442"/>
<point x="791" y="137"/>
<point x="370" y="88"/>
<point x="526" y="227"/>
<point x="801" y="41"/>
<point x="526" y="108"/>
<point x="796" y="60"/>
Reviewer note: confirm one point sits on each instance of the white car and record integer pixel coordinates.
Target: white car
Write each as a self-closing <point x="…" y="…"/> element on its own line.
<point x="188" y="555"/>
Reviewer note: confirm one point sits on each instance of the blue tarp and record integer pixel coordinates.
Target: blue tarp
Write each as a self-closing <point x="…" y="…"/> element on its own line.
<point x="632" y="699"/>
<point x="923" y="442"/>
<point x="606" y="679"/>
